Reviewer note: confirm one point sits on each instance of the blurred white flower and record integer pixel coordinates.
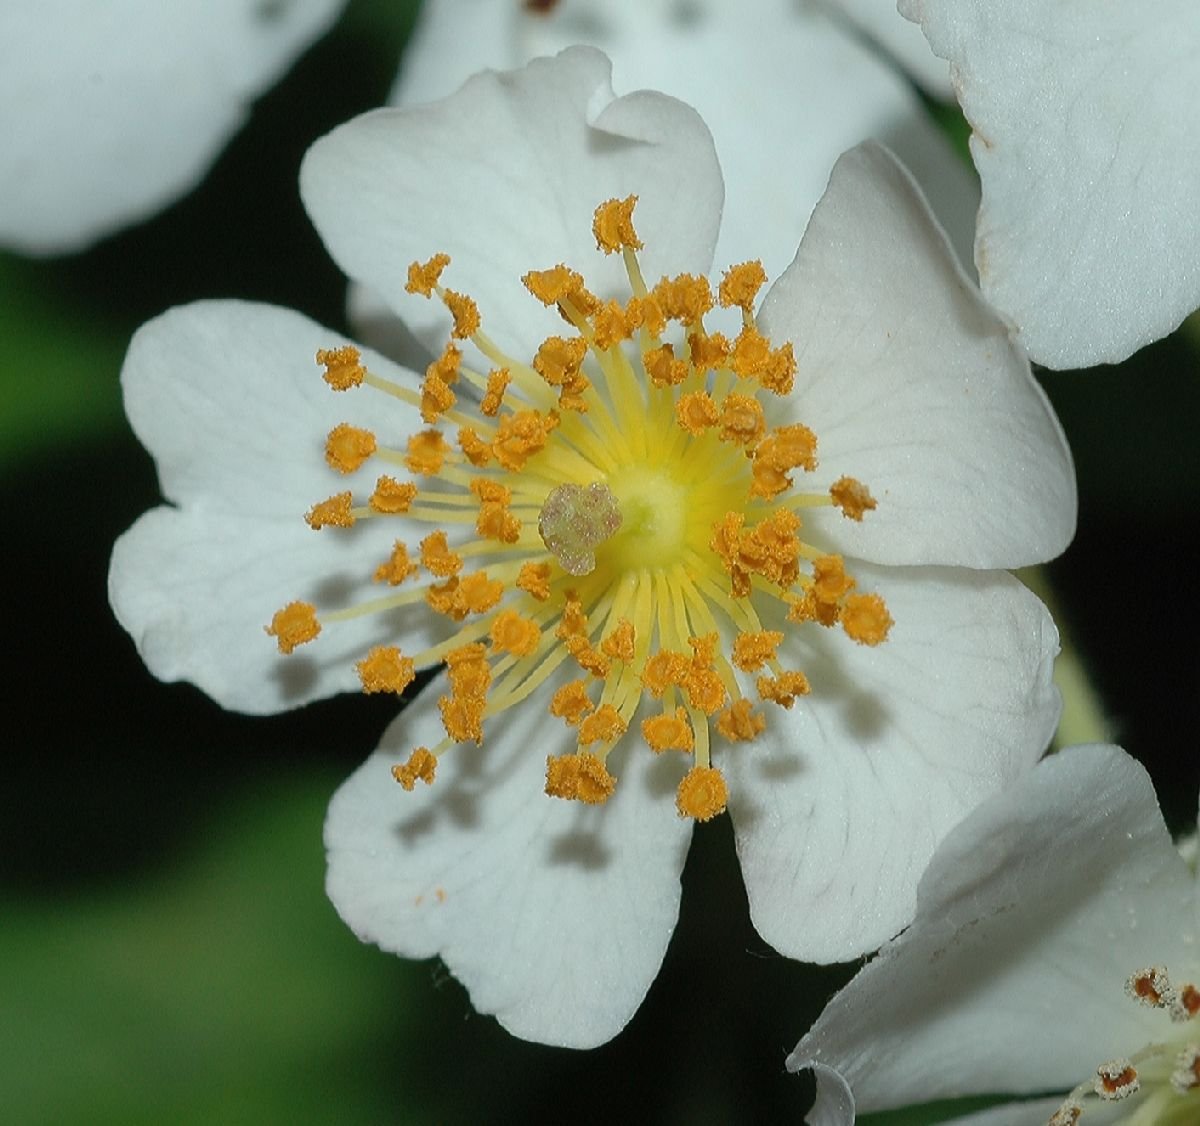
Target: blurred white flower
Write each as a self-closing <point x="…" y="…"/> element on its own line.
<point x="114" y="108"/>
<point x="1054" y="950"/>
<point x="1085" y="119"/>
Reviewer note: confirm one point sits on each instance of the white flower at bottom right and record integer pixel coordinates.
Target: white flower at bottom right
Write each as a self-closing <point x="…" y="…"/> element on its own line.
<point x="1054" y="958"/>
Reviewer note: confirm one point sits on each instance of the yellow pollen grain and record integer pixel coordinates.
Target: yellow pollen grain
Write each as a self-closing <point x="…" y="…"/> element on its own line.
<point x="427" y="451"/>
<point x="784" y="688"/>
<point x="424" y="276"/>
<point x="684" y="298"/>
<point x="753" y="650"/>
<point x="421" y="766"/>
<point x="663" y="368"/>
<point x="777" y="373"/>
<point x="497" y="384"/>
<point x="852" y="497"/>
<point x="398" y="567"/>
<point x="696" y="412"/>
<point x="663" y="670"/>
<point x="865" y="619"/>
<point x="495" y="522"/>
<point x="514" y="634"/>
<point x="465" y="313"/>
<point x="740" y="285"/>
<point x="702" y="794"/>
<point x="646" y="313"/>
<point x="437" y="558"/>
<point x="343" y="367"/>
<point x="612" y="224"/>
<point x="579" y="777"/>
<point x="830" y="583"/>
<point x="739" y="724"/>
<point x="385" y="669"/>
<point x="521" y="435"/>
<point x="391" y="496"/>
<point x="751" y="353"/>
<point x="474" y="448"/>
<point x="294" y="625"/>
<point x="334" y="512"/>
<point x="588" y="657"/>
<point x="559" y="285"/>
<point x="708" y="351"/>
<point x="480" y="594"/>
<point x="611" y="325"/>
<point x="619" y="643"/>
<point x="742" y="420"/>
<point x="462" y="719"/>
<point x="670" y="731"/>
<point x="570" y="702"/>
<point x="604" y="725"/>
<point x="347" y="447"/>
<point x="558" y="359"/>
<point x="534" y="579"/>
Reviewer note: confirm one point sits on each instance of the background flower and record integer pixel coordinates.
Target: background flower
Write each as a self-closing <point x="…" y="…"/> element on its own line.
<point x="114" y="109"/>
<point x="1084" y="119"/>
<point x="1031" y="917"/>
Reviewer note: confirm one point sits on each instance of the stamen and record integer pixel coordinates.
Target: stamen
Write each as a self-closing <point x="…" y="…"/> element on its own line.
<point x="294" y="625"/>
<point x="580" y="777"/>
<point x="421" y="765"/>
<point x="613" y="225"/>
<point x="1116" y="1079"/>
<point x="384" y="669"/>
<point x="347" y="447"/>
<point x="702" y="794"/>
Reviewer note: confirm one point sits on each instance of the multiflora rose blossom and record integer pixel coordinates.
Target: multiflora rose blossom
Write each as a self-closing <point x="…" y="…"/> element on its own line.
<point x="1085" y="118"/>
<point x="114" y="109"/>
<point x="1054" y="949"/>
<point x="672" y="567"/>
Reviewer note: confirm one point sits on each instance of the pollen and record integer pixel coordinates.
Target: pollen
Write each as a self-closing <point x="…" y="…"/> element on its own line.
<point x="1116" y="1079"/>
<point x="294" y="625"/>
<point x="696" y="412"/>
<point x="579" y="777"/>
<point x="421" y="766"/>
<point x="392" y="497"/>
<point x="852" y="497"/>
<point x="670" y="731"/>
<point x="610" y="523"/>
<point x="612" y="225"/>
<point x="423" y="277"/>
<point x="514" y="634"/>
<point x="740" y="285"/>
<point x="702" y="794"/>
<point x="384" y="669"/>
<point x="427" y="451"/>
<point x="739" y="724"/>
<point x="334" y="512"/>
<point x="437" y="558"/>
<point x="397" y="568"/>
<point x="343" y="367"/>
<point x="465" y="313"/>
<point x="865" y="619"/>
<point x="1151" y="987"/>
<point x="347" y="447"/>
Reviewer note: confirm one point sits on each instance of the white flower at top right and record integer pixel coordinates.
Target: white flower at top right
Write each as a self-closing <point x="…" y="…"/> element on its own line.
<point x="1055" y="957"/>
<point x="1085" y="115"/>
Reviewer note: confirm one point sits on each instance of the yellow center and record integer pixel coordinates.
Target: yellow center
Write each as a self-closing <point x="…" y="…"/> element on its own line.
<point x="616" y="506"/>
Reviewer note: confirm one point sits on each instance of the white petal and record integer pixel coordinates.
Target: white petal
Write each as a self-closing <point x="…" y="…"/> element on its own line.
<point x="1084" y="118"/>
<point x="834" y="1104"/>
<point x="839" y="806"/>
<point x="913" y="386"/>
<point x="554" y="915"/>
<point x="784" y="89"/>
<point x="1032" y="915"/>
<point x="229" y="399"/>
<point x="195" y="590"/>
<point x="504" y="176"/>
<point x="113" y="109"/>
<point x="880" y="20"/>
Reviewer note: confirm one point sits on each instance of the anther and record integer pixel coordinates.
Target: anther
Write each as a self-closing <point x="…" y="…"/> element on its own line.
<point x="702" y="794"/>
<point x="294" y="625"/>
<point x="1116" y="1079"/>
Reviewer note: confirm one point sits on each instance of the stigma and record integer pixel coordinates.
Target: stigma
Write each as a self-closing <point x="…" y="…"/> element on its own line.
<point x="615" y="527"/>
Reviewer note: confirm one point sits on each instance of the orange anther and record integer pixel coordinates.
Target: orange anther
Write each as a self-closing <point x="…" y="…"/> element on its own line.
<point x="663" y="368"/>
<point x="865" y="618"/>
<point x="294" y="625"/>
<point x="424" y="276"/>
<point x="604" y="725"/>
<point x="696" y="412"/>
<point x="612" y="225"/>
<point x="334" y="512"/>
<point x="343" y="367"/>
<point x="783" y="689"/>
<point x="579" y="777"/>
<point x="497" y="384"/>
<point x="385" y="669"/>
<point x="570" y="702"/>
<point x="347" y="447"/>
<point x="742" y="420"/>
<point x="534" y="579"/>
<point x="852" y="497"/>
<point x="753" y="650"/>
<point x="702" y="794"/>
<point x="392" y="496"/>
<point x="670" y="731"/>
<point x="619" y="643"/>
<point x="426" y="452"/>
<point x="421" y="766"/>
<point x="465" y="313"/>
<point x="740" y="285"/>
<point x="558" y="359"/>
<point x="514" y="634"/>
<point x="437" y="558"/>
<point x="738" y="723"/>
<point x="398" y="567"/>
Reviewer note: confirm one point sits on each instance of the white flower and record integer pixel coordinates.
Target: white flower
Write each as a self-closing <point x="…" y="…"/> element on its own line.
<point x="114" y="108"/>
<point x="556" y="914"/>
<point x="1085" y="118"/>
<point x="1054" y="946"/>
<point x="784" y="88"/>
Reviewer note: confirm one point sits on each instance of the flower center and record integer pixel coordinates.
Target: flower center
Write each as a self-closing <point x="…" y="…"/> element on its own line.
<point x="616" y="506"/>
<point x="1162" y="1080"/>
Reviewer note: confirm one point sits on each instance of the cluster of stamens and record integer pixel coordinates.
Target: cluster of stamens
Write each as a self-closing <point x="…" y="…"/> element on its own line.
<point x="1167" y="1073"/>
<point x="634" y="508"/>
